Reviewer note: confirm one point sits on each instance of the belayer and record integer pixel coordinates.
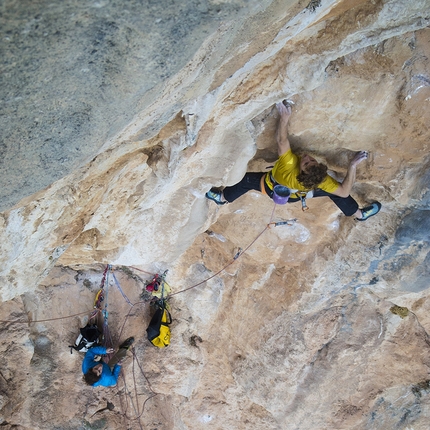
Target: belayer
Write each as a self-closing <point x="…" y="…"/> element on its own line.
<point x="303" y="176"/>
<point x="99" y="373"/>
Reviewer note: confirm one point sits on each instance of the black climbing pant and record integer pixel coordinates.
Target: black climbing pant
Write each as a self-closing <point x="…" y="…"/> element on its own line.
<point x="252" y="180"/>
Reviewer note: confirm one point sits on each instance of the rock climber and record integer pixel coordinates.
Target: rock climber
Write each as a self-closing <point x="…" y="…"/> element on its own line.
<point x="98" y="373"/>
<point x="304" y="177"/>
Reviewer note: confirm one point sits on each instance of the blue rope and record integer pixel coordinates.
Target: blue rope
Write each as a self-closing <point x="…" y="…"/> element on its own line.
<point x="120" y="290"/>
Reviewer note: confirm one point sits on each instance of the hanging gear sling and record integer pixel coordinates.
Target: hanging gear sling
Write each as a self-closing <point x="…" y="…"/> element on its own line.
<point x="158" y="330"/>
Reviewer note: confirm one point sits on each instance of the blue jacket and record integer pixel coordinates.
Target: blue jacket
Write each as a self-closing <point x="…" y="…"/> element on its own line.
<point x="108" y="377"/>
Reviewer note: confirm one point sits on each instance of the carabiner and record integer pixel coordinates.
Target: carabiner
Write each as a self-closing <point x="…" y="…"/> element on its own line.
<point x="302" y="197"/>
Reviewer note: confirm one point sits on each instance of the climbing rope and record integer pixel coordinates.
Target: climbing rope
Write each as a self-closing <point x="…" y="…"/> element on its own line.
<point x="102" y="295"/>
<point x="120" y="289"/>
<point x="138" y="411"/>
<point x="135" y="403"/>
<point x="44" y="320"/>
<point x="143" y="271"/>
<point x="127" y="316"/>
<point x="237" y="255"/>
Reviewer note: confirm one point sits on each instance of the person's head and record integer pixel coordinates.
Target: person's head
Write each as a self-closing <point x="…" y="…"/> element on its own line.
<point x="94" y="374"/>
<point x="311" y="173"/>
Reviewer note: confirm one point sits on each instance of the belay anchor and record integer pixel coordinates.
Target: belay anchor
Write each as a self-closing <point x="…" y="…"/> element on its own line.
<point x="157" y="282"/>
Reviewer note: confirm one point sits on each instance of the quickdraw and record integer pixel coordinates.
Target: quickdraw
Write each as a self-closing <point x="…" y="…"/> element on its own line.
<point x="289" y="222"/>
<point x="302" y="197"/>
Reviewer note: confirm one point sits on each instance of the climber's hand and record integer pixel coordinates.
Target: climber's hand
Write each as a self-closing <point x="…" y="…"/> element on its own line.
<point x="359" y="157"/>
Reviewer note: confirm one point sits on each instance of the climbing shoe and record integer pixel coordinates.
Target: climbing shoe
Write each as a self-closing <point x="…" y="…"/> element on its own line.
<point x="369" y="211"/>
<point x="127" y="343"/>
<point x="215" y="196"/>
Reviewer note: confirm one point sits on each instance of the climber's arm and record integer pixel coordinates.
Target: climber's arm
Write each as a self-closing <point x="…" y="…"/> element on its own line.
<point x="282" y="131"/>
<point x="345" y="187"/>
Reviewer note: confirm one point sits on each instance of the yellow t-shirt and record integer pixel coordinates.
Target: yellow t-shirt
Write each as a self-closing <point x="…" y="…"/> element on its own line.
<point x="286" y="170"/>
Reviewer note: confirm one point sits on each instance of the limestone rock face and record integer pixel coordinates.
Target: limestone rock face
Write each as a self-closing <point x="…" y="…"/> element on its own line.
<point x="321" y="323"/>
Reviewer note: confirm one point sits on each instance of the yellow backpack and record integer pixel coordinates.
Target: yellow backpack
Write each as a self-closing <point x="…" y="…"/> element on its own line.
<point x="158" y="330"/>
